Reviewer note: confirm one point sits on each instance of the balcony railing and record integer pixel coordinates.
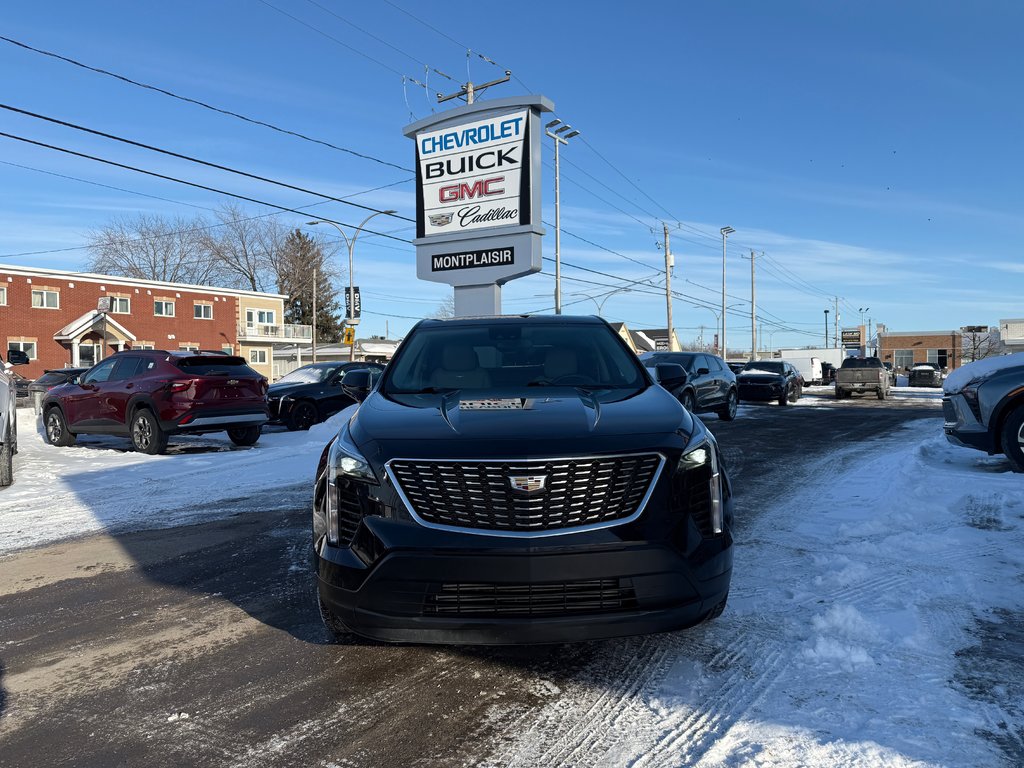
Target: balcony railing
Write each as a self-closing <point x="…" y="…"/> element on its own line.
<point x="275" y="331"/>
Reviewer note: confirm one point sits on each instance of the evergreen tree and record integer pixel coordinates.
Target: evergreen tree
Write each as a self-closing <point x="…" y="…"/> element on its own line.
<point x="299" y="256"/>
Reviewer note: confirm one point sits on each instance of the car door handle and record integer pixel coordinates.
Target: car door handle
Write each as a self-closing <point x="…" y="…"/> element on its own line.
<point x="129" y="385"/>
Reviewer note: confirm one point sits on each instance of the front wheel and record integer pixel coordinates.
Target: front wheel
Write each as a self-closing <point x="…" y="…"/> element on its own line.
<point x="784" y="397"/>
<point x="728" y="412"/>
<point x="687" y="400"/>
<point x="244" y="435"/>
<point x="302" y="417"/>
<point x="1012" y="438"/>
<point x="57" y="429"/>
<point x="147" y="436"/>
<point x="882" y="394"/>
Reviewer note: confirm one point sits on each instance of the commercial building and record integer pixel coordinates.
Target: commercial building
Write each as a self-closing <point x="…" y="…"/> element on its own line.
<point x="905" y="348"/>
<point x="55" y="316"/>
<point x="1011" y="334"/>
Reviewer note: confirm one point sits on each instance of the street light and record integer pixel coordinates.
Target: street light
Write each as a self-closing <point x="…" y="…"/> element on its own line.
<point x="718" y="315"/>
<point x="826" y="328"/>
<point x="351" y="304"/>
<point x="559" y="139"/>
<point x="726" y="231"/>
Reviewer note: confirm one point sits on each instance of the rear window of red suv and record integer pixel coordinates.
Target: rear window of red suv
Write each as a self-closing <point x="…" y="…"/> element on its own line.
<point x="215" y="365"/>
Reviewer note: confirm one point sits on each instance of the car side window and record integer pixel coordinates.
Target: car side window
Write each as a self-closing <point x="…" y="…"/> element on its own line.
<point x="714" y="364"/>
<point x="125" y="369"/>
<point x="101" y="372"/>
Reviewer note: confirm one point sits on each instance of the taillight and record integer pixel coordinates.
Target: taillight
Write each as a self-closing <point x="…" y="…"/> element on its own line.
<point x="177" y="385"/>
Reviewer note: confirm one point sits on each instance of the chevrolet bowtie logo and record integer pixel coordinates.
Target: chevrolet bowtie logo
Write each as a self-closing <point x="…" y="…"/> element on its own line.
<point x="527" y="483"/>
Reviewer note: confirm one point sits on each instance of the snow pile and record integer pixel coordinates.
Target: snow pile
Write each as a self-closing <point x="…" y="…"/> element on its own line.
<point x="956" y="380"/>
<point x="101" y="484"/>
<point x="856" y="605"/>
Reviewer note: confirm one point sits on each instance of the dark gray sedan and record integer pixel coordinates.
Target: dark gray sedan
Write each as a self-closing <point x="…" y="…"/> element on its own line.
<point x="984" y="407"/>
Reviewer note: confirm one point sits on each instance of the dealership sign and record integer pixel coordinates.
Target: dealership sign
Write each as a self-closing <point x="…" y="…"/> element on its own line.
<point x="478" y="198"/>
<point x="472" y="176"/>
<point x="853" y="338"/>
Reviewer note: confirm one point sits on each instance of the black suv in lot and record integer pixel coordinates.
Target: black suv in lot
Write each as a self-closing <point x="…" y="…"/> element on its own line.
<point x="519" y="480"/>
<point x="312" y="393"/>
<point x="710" y="385"/>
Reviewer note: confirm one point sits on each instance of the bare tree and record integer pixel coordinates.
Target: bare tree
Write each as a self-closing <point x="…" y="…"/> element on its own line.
<point x="979" y="342"/>
<point x="152" y="247"/>
<point x="446" y="308"/>
<point x="246" y="246"/>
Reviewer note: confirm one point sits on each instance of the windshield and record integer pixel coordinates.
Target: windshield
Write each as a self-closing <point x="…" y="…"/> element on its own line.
<point x="512" y="355"/>
<point x="308" y="374"/>
<point x="762" y="366"/>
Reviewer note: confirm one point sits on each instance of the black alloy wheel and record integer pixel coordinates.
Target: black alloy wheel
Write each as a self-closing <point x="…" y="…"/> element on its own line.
<point x="1012" y="438"/>
<point x="303" y="416"/>
<point x="728" y="411"/>
<point x="147" y="437"/>
<point x="784" y="397"/>
<point x="687" y="400"/>
<point x="57" y="429"/>
<point x="244" y="435"/>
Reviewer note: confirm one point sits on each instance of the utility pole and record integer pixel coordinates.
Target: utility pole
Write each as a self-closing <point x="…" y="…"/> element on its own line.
<point x="753" y="310"/>
<point x="668" y="287"/>
<point x="726" y="231"/>
<point x="836" y="337"/>
<point x="314" y="313"/>
<point x="469" y="90"/>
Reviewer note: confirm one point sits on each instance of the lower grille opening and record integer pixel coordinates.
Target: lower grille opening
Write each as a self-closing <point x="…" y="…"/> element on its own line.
<point x="593" y="596"/>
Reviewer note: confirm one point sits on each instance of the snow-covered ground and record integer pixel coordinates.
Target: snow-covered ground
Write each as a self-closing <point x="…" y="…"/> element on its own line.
<point x="875" y="620"/>
<point x="101" y="484"/>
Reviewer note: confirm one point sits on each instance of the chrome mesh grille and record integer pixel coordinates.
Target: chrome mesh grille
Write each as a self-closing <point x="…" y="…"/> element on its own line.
<point x="479" y="494"/>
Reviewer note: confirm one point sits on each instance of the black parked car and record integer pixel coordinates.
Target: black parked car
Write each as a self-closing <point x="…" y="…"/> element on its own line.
<point x="709" y="384"/>
<point x="924" y="375"/>
<point x="53" y="378"/>
<point x="770" y="380"/>
<point x="519" y="480"/>
<point x="311" y="394"/>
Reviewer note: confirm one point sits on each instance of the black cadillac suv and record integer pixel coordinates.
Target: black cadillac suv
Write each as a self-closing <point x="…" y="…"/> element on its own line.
<point x="519" y="480"/>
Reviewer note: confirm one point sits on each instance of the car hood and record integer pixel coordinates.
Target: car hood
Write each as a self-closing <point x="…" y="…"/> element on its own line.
<point x="759" y="378"/>
<point x="530" y="416"/>
<point x="282" y="390"/>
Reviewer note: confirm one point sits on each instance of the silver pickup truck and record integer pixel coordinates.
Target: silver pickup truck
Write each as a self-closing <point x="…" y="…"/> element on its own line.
<point x="862" y="374"/>
<point x="8" y="416"/>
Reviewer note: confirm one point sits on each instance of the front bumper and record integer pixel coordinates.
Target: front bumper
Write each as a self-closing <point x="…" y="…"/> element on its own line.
<point x="400" y="582"/>
<point x="962" y="427"/>
<point x="760" y="391"/>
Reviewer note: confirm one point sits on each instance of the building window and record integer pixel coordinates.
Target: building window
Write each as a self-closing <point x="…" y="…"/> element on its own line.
<point x="939" y="357"/>
<point x="203" y="311"/>
<point x="903" y="358"/>
<point x="163" y="308"/>
<point x="261" y="316"/>
<point x="143" y="345"/>
<point x="28" y="347"/>
<point x="45" y="299"/>
<point x="120" y="305"/>
<point x="258" y="356"/>
<point x="188" y="347"/>
<point x="3" y="295"/>
<point x="227" y="349"/>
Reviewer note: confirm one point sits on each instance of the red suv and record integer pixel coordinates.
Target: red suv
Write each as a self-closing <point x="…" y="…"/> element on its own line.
<point x="148" y="395"/>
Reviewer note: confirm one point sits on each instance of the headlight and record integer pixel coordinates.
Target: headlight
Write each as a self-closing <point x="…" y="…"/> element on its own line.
<point x="705" y="454"/>
<point x="345" y="461"/>
<point x="970" y="394"/>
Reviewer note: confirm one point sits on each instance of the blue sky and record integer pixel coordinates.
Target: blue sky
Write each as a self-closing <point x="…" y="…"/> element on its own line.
<point x="870" y="150"/>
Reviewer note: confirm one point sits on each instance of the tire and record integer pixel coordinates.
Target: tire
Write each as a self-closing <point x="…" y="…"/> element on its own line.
<point x="6" y="464"/>
<point x="146" y="434"/>
<point x="1010" y="438"/>
<point x="303" y="416"/>
<point x="784" y="397"/>
<point x="796" y="393"/>
<point x="728" y="411"/>
<point x="717" y="611"/>
<point x="56" y="428"/>
<point x="244" y="435"/>
<point x="882" y="394"/>
<point x="339" y="633"/>
<point x="687" y="400"/>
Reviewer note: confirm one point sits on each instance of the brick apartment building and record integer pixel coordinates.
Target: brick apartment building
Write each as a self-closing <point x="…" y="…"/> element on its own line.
<point x="52" y="315"/>
<point x="904" y="348"/>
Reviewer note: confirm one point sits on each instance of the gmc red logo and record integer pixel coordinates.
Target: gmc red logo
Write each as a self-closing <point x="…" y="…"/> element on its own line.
<point x="453" y="193"/>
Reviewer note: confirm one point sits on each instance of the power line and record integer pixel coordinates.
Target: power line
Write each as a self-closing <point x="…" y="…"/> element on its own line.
<point x="191" y="159"/>
<point x="203" y="104"/>
<point x="445" y="35"/>
<point x="185" y="182"/>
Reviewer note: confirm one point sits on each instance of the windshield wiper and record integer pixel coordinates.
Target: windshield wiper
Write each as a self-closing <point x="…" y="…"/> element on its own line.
<point x="424" y="391"/>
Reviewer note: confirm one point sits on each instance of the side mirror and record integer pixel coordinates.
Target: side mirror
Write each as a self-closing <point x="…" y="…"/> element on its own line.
<point x="17" y="357"/>
<point x="703" y="371"/>
<point x="670" y="375"/>
<point x="357" y="384"/>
